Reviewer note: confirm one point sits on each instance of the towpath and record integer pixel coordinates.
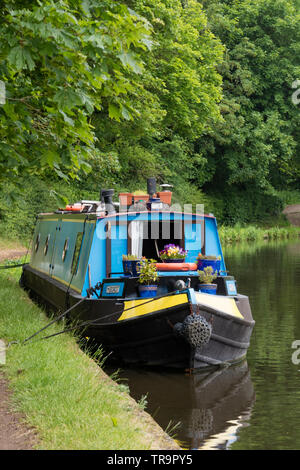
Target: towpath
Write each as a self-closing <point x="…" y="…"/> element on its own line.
<point x="14" y="434"/>
<point x="292" y="213"/>
<point x="12" y="253"/>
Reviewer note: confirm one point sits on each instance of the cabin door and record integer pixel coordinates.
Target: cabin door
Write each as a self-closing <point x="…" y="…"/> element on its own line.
<point x="54" y="247"/>
<point x="116" y="246"/>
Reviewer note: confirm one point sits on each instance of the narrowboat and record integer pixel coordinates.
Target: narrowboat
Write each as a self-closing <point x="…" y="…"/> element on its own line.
<point x="77" y="265"/>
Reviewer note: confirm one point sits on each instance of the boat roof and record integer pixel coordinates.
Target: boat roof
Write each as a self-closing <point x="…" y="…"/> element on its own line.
<point x="95" y="215"/>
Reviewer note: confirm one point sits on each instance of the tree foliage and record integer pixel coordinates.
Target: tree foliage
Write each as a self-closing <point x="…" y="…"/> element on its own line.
<point x="60" y="62"/>
<point x="198" y="95"/>
<point x="177" y="98"/>
<point x="257" y="142"/>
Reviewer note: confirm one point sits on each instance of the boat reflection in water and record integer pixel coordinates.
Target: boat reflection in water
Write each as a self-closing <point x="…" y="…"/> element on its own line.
<point x="205" y="410"/>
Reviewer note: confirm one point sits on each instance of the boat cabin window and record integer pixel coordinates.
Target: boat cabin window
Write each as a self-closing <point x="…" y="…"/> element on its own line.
<point x="148" y="238"/>
<point x="37" y="242"/>
<point x="46" y="244"/>
<point x="65" y="249"/>
<point x="76" y="253"/>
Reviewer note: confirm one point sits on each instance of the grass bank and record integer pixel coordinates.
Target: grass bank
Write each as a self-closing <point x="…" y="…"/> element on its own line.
<point x="249" y="233"/>
<point x="63" y="393"/>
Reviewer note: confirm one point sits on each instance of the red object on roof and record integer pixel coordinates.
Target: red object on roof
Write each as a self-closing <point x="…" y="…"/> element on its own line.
<point x="74" y="208"/>
<point x="176" y="266"/>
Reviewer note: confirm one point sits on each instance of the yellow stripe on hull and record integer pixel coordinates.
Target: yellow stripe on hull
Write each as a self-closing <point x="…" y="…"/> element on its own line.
<point x="221" y="303"/>
<point x="143" y="306"/>
<point x="56" y="278"/>
<point x="67" y="284"/>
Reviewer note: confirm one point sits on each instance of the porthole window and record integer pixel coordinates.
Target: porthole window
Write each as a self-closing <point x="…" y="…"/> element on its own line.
<point x="46" y="245"/>
<point x="37" y="242"/>
<point x="65" y="249"/>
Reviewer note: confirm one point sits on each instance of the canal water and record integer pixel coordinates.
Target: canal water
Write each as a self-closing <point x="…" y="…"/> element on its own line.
<point x="256" y="404"/>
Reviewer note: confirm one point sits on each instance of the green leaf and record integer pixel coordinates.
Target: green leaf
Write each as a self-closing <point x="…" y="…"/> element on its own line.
<point x="28" y="59"/>
<point x="67" y="119"/>
<point x="67" y="98"/>
<point x="128" y="60"/>
<point x="126" y="114"/>
<point x="20" y="58"/>
<point x="62" y="175"/>
<point x="16" y="58"/>
<point x="50" y="157"/>
<point x="97" y="40"/>
<point x="114" y="112"/>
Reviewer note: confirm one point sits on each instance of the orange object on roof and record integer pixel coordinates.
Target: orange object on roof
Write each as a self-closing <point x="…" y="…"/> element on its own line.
<point x="74" y="208"/>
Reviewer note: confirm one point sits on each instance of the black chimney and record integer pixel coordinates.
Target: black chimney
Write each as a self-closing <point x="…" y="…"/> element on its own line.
<point x="106" y="198"/>
<point x="151" y="186"/>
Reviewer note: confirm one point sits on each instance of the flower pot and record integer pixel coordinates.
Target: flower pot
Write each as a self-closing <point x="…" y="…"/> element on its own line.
<point x="204" y="263"/>
<point x="131" y="268"/>
<point x="165" y="196"/>
<point x="141" y="197"/>
<point x="147" y="291"/>
<point x="125" y="199"/>
<point x="177" y="260"/>
<point x="208" y="288"/>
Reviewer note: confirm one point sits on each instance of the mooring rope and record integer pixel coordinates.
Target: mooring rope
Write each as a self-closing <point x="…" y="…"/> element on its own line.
<point x="12" y="266"/>
<point x="84" y="323"/>
<point x="24" y="341"/>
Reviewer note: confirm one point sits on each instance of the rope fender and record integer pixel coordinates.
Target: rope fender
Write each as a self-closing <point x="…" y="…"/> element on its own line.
<point x="195" y="329"/>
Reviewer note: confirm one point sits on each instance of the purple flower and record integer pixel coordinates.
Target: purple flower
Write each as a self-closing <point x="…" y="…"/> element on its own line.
<point x="172" y="251"/>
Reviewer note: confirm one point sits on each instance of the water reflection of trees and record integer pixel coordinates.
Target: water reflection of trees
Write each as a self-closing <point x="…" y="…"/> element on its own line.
<point x="253" y="247"/>
<point x="270" y="275"/>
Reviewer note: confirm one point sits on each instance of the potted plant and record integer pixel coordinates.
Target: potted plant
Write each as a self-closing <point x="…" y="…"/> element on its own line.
<point x="172" y="254"/>
<point x="209" y="260"/>
<point x="131" y="265"/>
<point x="206" y="278"/>
<point x="140" y="196"/>
<point x="148" y="278"/>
